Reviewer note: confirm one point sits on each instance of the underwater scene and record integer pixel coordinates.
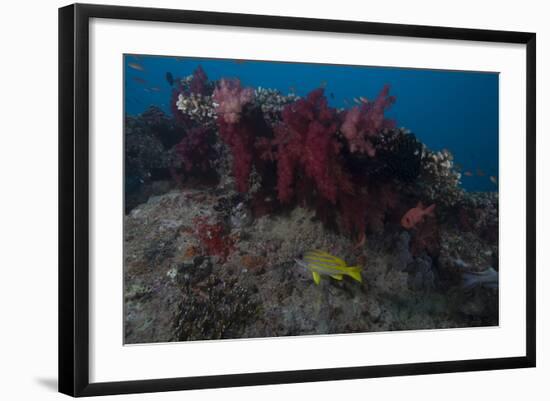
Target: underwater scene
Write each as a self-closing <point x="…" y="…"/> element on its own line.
<point x="267" y="199"/>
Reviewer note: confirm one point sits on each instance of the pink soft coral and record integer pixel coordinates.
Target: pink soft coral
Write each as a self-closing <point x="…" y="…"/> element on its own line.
<point x="231" y="98"/>
<point x="362" y="123"/>
<point x="213" y="238"/>
<point x="238" y="134"/>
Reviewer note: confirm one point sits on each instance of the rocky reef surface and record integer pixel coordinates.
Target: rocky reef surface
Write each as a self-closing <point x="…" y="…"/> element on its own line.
<point x="176" y="289"/>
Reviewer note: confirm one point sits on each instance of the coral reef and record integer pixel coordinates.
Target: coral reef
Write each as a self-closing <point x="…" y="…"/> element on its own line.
<point x="402" y="154"/>
<point x="148" y="138"/>
<point x="439" y="181"/>
<point x="224" y="196"/>
<point x="272" y="102"/>
<point x="196" y="107"/>
<point x="342" y="163"/>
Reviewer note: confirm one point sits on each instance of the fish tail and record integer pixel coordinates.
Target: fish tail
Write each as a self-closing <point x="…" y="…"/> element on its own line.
<point x="430" y="210"/>
<point x="355" y="273"/>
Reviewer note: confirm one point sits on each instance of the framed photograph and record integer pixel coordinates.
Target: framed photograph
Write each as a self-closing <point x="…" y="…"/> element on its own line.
<point x="250" y="199"/>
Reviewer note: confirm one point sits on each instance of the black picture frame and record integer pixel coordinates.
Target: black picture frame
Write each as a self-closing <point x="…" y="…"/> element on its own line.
<point x="74" y="198"/>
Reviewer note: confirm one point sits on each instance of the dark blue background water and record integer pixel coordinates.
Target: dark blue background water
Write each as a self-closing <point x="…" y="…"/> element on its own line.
<point x="446" y="109"/>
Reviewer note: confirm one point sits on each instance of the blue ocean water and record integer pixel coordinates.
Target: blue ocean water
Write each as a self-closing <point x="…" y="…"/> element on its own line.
<point x="456" y="110"/>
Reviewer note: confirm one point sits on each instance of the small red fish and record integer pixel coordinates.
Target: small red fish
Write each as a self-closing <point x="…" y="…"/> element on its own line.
<point x="480" y="173"/>
<point x="416" y="215"/>
<point x="468" y="173"/>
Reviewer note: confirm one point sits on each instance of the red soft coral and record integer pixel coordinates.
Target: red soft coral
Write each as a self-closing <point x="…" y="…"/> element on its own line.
<point x="195" y="149"/>
<point x="353" y="213"/>
<point x="311" y="168"/>
<point x="239" y="135"/>
<point x="307" y="147"/>
<point x="362" y="123"/>
<point x="305" y="150"/>
<point x="213" y="238"/>
<point x="426" y="238"/>
<point x="240" y="138"/>
<point x="367" y="208"/>
<point x="199" y="82"/>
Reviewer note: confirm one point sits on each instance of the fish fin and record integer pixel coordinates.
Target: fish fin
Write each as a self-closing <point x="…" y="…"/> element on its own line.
<point x="319" y="253"/>
<point x="316" y="278"/>
<point x="337" y="276"/>
<point x="430" y="209"/>
<point x="355" y="273"/>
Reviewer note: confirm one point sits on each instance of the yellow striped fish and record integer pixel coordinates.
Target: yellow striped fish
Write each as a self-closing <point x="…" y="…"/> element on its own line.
<point x="321" y="263"/>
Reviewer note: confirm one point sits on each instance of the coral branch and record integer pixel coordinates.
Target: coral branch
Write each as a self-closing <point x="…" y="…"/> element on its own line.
<point x="362" y="123"/>
<point x="307" y="146"/>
